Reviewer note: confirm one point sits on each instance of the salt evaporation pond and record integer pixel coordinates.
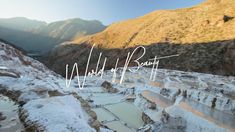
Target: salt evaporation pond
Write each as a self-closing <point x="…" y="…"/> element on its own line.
<point x="116" y="113"/>
<point x="217" y="117"/>
<point x="121" y="117"/>
<point x="9" y="110"/>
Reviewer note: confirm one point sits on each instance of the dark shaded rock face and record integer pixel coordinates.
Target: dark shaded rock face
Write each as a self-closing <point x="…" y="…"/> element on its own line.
<point x="2" y="117"/>
<point x="146" y="118"/>
<point x="108" y="87"/>
<point x="214" y="57"/>
<point x="171" y="124"/>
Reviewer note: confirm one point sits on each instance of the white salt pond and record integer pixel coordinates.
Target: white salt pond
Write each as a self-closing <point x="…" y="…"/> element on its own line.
<point x="9" y="109"/>
<point x="114" y="112"/>
<point x="214" y="116"/>
<point x="121" y="117"/>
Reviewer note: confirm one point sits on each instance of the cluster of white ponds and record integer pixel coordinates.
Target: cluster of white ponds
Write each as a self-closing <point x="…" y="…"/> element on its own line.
<point x="123" y="111"/>
<point x="117" y="112"/>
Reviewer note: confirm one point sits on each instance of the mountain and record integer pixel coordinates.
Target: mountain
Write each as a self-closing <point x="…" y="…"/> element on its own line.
<point x="202" y="35"/>
<point x="207" y="22"/>
<point x="70" y="29"/>
<point x="20" y="23"/>
<point x="36" y="36"/>
<point x="30" y="42"/>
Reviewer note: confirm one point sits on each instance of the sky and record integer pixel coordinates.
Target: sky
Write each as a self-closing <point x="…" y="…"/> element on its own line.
<point x="106" y="11"/>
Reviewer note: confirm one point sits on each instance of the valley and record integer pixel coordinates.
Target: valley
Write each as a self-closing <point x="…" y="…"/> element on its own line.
<point x="165" y="71"/>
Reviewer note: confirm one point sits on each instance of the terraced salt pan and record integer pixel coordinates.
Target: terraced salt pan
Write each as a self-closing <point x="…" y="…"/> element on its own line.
<point x="120" y="117"/>
<point x="158" y="99"/>
<point x="114" y="112"/>
<point x="212" y="115"/>
<point x="207" y="118"/>
<point x="128" y="113"/>
<point x="34" y="86"/>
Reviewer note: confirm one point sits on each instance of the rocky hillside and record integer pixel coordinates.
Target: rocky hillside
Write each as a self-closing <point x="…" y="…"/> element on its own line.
<point x="45" y="104"/>
<point x="33" y="35"/>
<point x="207" y="22"/>
<point x="203" y="36"/>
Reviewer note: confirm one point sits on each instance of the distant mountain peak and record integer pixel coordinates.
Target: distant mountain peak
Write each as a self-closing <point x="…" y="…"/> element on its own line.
<point x="33" y="35"/>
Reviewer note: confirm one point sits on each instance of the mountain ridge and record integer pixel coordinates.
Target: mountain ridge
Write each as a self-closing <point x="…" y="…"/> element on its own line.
<point x="209" y="21"/>
<point x="41" y="36"/>
<point x="20" y="23"/>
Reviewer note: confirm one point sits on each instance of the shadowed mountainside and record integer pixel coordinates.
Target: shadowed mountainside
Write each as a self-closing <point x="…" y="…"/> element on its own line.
<point x="214" y="57"/>
<point x="20" y="23"/>
<point x="70" y="29"/>
<point x="28" y="41"/>
<point x="37" y="36"/>
<point x="18" y="48"/>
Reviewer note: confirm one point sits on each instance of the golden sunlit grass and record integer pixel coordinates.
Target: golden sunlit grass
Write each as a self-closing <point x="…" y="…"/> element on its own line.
<point x="203" y="23"/>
